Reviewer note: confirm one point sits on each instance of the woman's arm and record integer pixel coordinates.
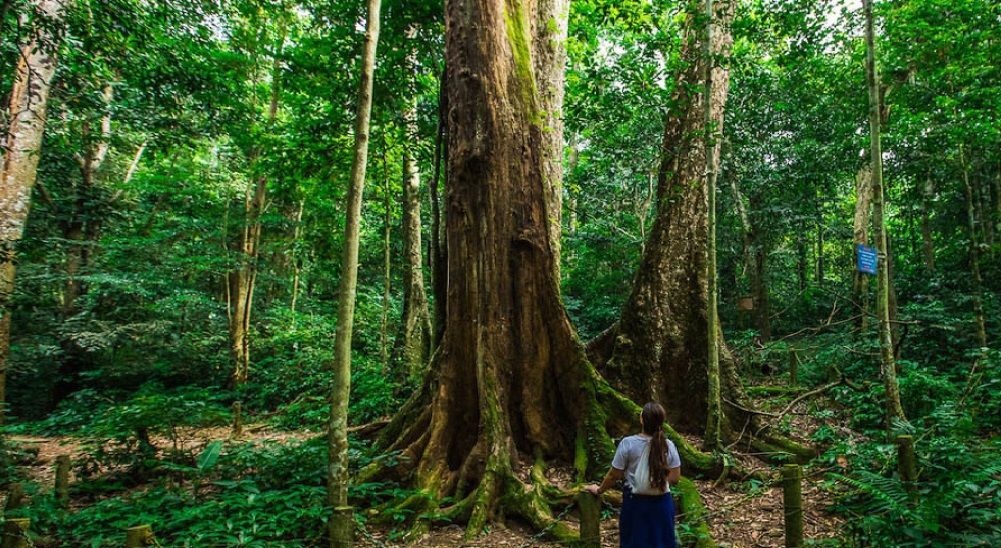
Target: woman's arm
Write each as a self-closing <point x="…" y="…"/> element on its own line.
<point x="674" y="475"/>
<point x="611" y="478"/>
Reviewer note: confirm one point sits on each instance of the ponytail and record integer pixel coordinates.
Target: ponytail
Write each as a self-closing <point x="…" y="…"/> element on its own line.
<point x="653" y="425"/>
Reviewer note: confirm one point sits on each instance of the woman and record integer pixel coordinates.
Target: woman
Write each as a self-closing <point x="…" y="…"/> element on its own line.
<point x="646" y="520"/>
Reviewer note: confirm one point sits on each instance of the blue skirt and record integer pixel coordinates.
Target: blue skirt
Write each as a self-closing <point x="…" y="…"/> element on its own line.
<point x="646" y="522"/>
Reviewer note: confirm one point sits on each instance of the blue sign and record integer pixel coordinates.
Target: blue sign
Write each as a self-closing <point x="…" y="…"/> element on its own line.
<point x="866" y="259"/>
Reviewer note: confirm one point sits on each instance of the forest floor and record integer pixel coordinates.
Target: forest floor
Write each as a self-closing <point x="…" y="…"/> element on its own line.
<point x="742" y="514"/>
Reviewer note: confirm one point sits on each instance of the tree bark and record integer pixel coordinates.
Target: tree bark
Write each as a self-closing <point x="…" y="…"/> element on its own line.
<point x="438" y="249"/>
<point x="860" y="232"/>
<point x="21" y="149"/>
<point x="341" y="523"/>
<point x="894" y="409"/>
<point x="974" y="249"/>
<point x="549" y="57"/>
<point x="414" y="341"/>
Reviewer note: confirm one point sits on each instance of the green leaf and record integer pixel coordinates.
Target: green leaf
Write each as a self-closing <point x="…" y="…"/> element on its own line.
<point x="209" y="456"/>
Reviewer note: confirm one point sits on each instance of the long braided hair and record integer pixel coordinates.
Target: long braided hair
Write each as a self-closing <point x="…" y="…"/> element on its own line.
<point x="653" y="425"/>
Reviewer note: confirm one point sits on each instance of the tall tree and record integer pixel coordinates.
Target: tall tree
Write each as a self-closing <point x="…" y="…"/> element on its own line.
<point x="341" y="525"/>
<point x="661" y="347"/>
<point x="894" y="409"/>
<point x="510" y="378"/>
<point x="714" y="414"/>
<point x="242" y="280"/>
<point x="21" y="149"/>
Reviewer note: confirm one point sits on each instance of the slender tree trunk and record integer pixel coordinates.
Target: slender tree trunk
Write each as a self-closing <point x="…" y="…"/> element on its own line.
<point x="82" y="231"/>
<point x="342" y="523"/>
<point x="997" y="199"/>
<point x="756" y="265"/>
<point x="242" y="281"/>
<point x="820" y="253"/>
<point x="414" y="341"/>
<point x="927" y="241"/>
<point x="978" y="281"/>
<point x="21" y="150"/>
<point x="714" y="433"/>
<point x="802" y="258"/>
<point x="387" y="261"/>
<point x="894" y="410"/>
<point x="863" y="216"/>
<point x="296" y="259"/>
<point x="762" y="313"/>
<point x="983" y="191"/>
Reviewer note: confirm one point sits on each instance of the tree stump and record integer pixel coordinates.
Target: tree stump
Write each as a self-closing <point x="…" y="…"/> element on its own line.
<point x="62" y="477"/>
<point x="15" y="533"/>
<point x="138" y="536"/>
<point x="792" y="498"/>
<point x="590" y="519"/>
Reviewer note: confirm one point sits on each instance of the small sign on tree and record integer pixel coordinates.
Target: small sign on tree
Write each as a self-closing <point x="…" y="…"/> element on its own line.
<point x="866" y="259"/>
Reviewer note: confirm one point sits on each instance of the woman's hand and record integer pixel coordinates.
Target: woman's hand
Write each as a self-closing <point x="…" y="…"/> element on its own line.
<point x="593" y="489"/>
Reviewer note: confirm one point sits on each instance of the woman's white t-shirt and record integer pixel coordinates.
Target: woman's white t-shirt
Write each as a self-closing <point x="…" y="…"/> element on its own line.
<point x="627" y="456"/>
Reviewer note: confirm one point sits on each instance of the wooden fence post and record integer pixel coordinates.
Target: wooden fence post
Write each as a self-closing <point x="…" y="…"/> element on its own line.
<point x="15" y="533"/>
<point x="792" y="498"/>
<point x="63" y="477"/>
<point x="15" y="497"/>
<point x="138" y="536"/>
<point x="907" y="464"/>
<point x="237" y="419"/>
<point x="590" y="519"/>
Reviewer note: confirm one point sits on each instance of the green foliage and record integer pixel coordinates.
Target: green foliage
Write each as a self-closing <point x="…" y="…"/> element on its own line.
<point x="955" y="502"/>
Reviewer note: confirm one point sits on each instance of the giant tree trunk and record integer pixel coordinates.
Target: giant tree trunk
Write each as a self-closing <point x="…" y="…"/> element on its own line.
<point x="21" y="148"/>
<point x="414" y="342"/>
<point x="661" y="349"/>
<point x="510" y="382"/>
